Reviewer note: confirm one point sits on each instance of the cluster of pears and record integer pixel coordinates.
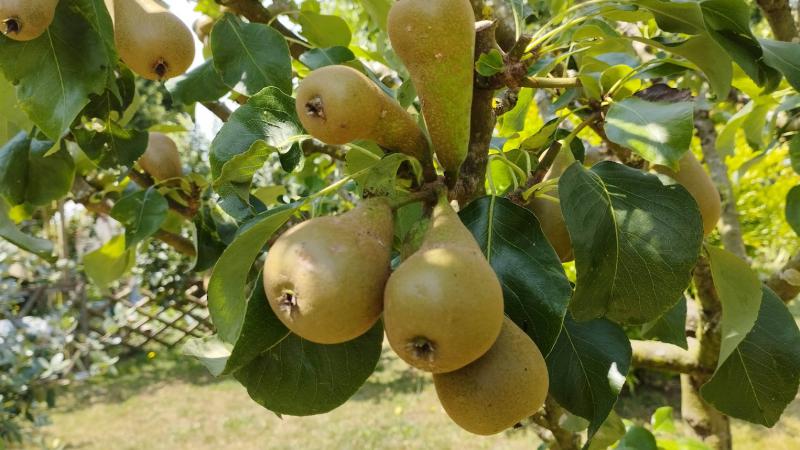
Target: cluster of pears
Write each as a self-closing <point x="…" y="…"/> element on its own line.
<point x="436" y="41"/>
<point x="329" y="280"/>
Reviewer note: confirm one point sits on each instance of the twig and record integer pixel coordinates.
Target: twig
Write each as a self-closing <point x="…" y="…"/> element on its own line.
<point x="664" y="357"/>
<point x="219" y="110"/>
<point x="544" y="82"/>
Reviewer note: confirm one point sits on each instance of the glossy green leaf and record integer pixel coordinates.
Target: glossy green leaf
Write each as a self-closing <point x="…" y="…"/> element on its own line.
<point x="323" y="30"/>
<point x="29" y="175"/>
<point x="9" y="231"/>
<point x="660" y="132"/>
<point x="227" y="299"/>
<point x="763" y="371"/>
<point x="670" y="327"/>
<point x="56" y="73"/>
<point x="784" y="56"/>
<point x="637" y="438"/>
<point x="793" y="209"/>
<point x="612" y="429"/>
<point x="250" y="56"/>
<point x="378" y="11"/>
<point x="587" y="368"/>
<point x="636" y="261"/>
<point x="536" y="290"/>
<point x="739" y="291"/>
<point x="268" y="116"/>
<point x="675" y="17"/>
<point x="112" y="146"/>
<point x="490" y="63"/>
<point x="321" y="57"/>
<point x="201" y="84"/>
<point x="794" y="153"/>
<point x="210" y="351"/>
<point x="110" y="262"/>
<point x="142" y="213"/>
<point x="300" y="378"/>
<point x="708" y="56"/>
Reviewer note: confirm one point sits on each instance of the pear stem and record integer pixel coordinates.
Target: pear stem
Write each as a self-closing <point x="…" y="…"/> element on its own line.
<point x="429" y="194"/>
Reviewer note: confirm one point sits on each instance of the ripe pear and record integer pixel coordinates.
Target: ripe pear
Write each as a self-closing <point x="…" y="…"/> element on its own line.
<point x="548" y="212"/>
<point x="161" y="159"/>
<point x="436" y="41"/>
<point x="443" y="306"/>
<point x="339" y="104"/>
<point x="152" y="41"/>
<point x="696" y="180"/>
<point x="25" y="20"/>
<point x="324" y="278"/>
<point x="506" y="385"/>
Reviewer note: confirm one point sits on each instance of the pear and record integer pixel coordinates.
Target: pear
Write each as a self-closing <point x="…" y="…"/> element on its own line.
<point x="696" y="180"/>
<point x="324" y="278"/>
<point x="548" y="212"/>
<point x="436" y="41"/>
<point x="443" y="306"/>
<point x="25" y="20"/>
<point x="339" y="104"/>
<point x="506" y="385"/>
<point x="161" y="158"/>
<point x="152" y="41"/>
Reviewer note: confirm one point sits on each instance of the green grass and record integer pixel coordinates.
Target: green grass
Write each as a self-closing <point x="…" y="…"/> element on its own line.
<point x="171" y="402"/>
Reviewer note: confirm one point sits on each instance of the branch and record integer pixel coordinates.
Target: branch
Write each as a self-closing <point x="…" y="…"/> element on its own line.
<point x="544" y="82"/>
<point x="786" y="281"/>
<point x="729" y="225"/>
<point x="499" y="11"/>
<point x="779" y="16"/>
<point x="219" y="110"/>
<point x="311" y="146"/>
<point x="665" y="357"/>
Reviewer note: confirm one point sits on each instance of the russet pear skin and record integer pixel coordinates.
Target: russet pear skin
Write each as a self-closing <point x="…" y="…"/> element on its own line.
<point x="338" y="104"/>
<point x="501" y="388"/>
<point x="324" y="277"/>
<point x="152" y="41"/>
<point x="549" y="212"/>
<point x="161" y="158"/>
<point x="436" y="41"/>
<point x="25" y="20"/>
<point x="443" y="306"/>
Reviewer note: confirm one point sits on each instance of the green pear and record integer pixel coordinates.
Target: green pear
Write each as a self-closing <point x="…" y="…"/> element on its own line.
<point x="696" y="180"/>
<point x="339" y="104"/>
<point x="443" y="306"/>
<point x="436" y="41"/>
<point x="548" y="212"/>
<point x="501" y="388"/>
<point x="152" y="41"/>
<point x="25" y="20"/>
<point x="161" y="158"/>
<point x="324" y="277"/>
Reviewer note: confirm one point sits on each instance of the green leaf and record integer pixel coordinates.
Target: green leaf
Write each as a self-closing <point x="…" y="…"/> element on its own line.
<point x="9" y="231"/>
<point x="237" y="173"/>
<point x="739" y="291"/>
<point x="675" y="17"/>
<point x="662" y="421"/>
<point x="29" y="175"/>
<point x="726" y="139"/>
<point x="210" y="351"/>
<point x="728" y="23"/>
<point x="201" y="84"/>
<point x="761" y="377"/>
<point x="303" y="378"/>
<point x="56" y="73"/>
<point x="227" y="299"/>
<point x="490" y="63"/>
<point x="670" y="327"/>
<point x="142" y="213"/>
<point x="637" y="438"/>
<point x="660" y="132"/>
<point x="379" y="179"/>
<point x="794" y="153"/>
<point x="110" y="262"/>
<point x="708" y="56"/>
<point x="784" y="56"/>
<point x="587" y="368"/>
<point x="793" y="209"/>
<point x="250" y="56"/>
<point x="645" y="240"/>
<point x="269" y="116"/>
<point x="324" y="31"/>
<point x="612" y="429"/>
<point x="321" y="57"/>
<point x="535" y="288"/>
<point x="378" y="11"/>
<point x="112" y="146"/>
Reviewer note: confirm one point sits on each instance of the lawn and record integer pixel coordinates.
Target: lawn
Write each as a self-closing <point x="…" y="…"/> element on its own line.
<point x="170" y="402"/>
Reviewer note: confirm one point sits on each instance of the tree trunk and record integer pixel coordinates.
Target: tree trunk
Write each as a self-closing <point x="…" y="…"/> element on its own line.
<point x="780" y="18"/>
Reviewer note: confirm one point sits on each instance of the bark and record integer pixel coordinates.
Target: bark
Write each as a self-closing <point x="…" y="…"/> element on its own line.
<point x="786" y="281"/>
<point x="729" y="225"/>
<point x="664" y="357"/>
<point x="780" y="18"/>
